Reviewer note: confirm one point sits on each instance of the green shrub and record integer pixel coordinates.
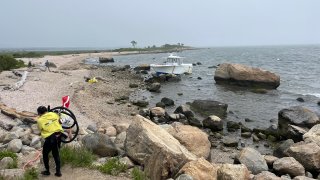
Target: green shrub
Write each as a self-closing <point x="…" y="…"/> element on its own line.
<point x="13" y="155"/>
<point x="6" y="153"/>
<point x="31" y="174"/>
<point x="137" y="174"/>
<point x="76" y="157"/>
<point x="113" y="167"/>
<point x="8" y="62"/>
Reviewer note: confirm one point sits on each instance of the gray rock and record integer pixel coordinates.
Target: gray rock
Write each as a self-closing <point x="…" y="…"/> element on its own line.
<point x="167" y="101"/>
<point x="12" y="174"/>
<point x="100" y="144"/>
<point x="10" y="136"/>
<point x="120" y="139"/>
<point x="313" y="135"/>
<point x="297" y="115"/>
<point x="140" y="103"/>
<point x="288" y="165"/>
<point x="184" y="177"/>
<point x="92" y="127"/>
<point x="281" y="150"/>
<point x="246" y="134"/>
<point x="26" y="149"/>
<point x="307" y="154"/>
<point x="5" y="162"/>
<point x="230" y="141"/>
<point x="127" y="162"/>
<point x="195" y="122"/>
<point x="35" y="140"/>
<point x="154" y="87"/>
<point x="185" y="110"/>
<point x="266" y="175"/>
<point x="15" y="145"/>
<point x="209" y="107"/>
<point x="213" y="122"/>
<point x="160" y="104"/>
<point x="145" y="112"/>
<point x="253" y="160"/>
<point x="270" y="159"/>
<point x="302" y="178"/>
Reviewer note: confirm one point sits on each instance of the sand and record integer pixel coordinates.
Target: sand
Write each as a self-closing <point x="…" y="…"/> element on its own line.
<point x="91" y="103"/>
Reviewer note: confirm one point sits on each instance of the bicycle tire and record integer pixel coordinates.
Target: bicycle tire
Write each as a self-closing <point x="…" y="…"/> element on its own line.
<point x="63" y="110"/>
<point x="67" y="112"/>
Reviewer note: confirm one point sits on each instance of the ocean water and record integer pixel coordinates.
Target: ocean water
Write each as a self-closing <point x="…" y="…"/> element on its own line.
<point x="298" y="67"/>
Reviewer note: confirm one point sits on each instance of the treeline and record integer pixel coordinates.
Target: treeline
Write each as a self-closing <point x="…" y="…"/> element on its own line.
<point x="8" y="62"/>
<point x="165" y="47"/>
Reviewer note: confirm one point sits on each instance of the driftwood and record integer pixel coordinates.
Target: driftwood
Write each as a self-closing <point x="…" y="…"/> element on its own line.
<point x="17" y="73"/>
<point x="24" y="116"/>
<point x="20" y="83"/>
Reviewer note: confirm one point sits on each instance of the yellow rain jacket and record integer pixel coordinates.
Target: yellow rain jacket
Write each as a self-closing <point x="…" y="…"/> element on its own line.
<point x="49" y="123"/>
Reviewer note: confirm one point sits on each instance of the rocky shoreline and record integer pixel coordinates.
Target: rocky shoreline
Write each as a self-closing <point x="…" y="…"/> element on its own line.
<point x="194" y="142"/>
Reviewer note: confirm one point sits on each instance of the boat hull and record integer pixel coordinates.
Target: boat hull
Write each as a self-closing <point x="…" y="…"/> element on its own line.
<point x="172" y="69"/>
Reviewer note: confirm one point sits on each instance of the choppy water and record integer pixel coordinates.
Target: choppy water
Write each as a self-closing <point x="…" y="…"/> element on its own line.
<point x="298" y="67"/>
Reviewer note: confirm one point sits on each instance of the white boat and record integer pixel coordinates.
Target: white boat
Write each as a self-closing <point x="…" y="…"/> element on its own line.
<point x="173" y="65"/>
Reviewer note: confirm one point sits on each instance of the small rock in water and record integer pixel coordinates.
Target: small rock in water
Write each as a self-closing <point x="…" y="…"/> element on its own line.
<point x="300" y="99"/>
<point x="230" y="141"/>
<point x="199" y="78"/>
<point x="180" y="94"/>
<point x="318" y="103"/>
<point x="255" y="138"/>
<point x="248" y="120"/>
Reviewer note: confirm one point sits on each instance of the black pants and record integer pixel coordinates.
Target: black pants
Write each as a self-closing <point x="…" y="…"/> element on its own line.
<point x="51" y="143"/>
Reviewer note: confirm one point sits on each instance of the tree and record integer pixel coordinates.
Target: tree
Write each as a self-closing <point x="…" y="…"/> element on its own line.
<point x="134" y="43"/>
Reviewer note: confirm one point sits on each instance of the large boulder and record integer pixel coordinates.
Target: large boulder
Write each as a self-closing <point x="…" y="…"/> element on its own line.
<point x="296" y="115"/>
<point x="288" y="165"/>
<point x="209" y="107"/>
<point x="233" y="172"/>
<point x="313" y="135"/>
<point x="200" y="169"/>
<point x="195" y="140"/>
<point x="241" y="75"/>
<point x="307" y="154"/>
<point x="253" y="160"/>
<point x="100" y="144"/>
<point x="153" y="147"/>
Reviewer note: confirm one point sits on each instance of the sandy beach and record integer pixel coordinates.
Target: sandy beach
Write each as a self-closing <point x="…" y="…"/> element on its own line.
<point x="91" y="103"/>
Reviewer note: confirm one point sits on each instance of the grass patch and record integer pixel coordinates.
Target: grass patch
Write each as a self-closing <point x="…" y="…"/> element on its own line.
<point x="137" y="174"/>
<point x="113" y="167"/>
<point x="76" y="157"/>
<point x="6" y="153"/>
<point x="13" y="155"/>
<point x="31" y="174"/>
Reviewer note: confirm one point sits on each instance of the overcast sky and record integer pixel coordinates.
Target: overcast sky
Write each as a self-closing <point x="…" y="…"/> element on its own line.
<point x="115" y="23"/>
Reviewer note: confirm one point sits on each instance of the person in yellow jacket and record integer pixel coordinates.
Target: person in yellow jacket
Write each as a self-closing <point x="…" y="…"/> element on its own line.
<point x="50" y="127"/>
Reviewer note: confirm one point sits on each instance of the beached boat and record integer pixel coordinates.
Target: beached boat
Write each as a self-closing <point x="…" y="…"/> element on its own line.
<point x="173" y="65"/>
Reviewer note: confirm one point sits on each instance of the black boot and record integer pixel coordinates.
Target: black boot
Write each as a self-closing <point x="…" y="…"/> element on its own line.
<point x="58" y="174"/>
<point x="45" y="173"/>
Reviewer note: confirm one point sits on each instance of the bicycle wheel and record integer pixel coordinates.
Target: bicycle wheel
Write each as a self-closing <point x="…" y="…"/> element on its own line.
<point x="70" y="134"/>
<point x="70" y="124"/>
<point x="67" y="118"/>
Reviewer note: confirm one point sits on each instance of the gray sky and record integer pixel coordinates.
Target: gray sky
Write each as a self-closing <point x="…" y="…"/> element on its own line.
<point x="115" y="23"/>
